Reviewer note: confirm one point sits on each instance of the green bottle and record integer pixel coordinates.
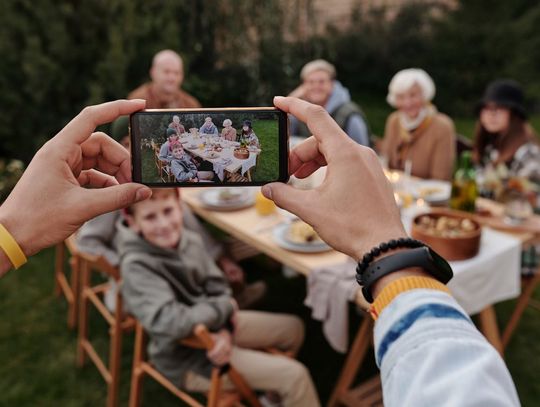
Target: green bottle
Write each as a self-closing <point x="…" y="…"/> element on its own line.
<point x="464" y="189"/>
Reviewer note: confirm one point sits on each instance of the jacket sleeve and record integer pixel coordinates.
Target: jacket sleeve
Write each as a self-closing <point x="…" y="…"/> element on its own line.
<point x="431" y="354"/>
<point x="97" y="237"/>
<point x="152" y="301"/>
<point x="444" y="153"/>
<point x="164" y="152"/>
<point x="357" y="130"/>
<point x="179" y="173"/>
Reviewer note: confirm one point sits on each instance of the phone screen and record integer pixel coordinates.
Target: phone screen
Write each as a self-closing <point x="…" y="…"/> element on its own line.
<point x="209" y="147"/>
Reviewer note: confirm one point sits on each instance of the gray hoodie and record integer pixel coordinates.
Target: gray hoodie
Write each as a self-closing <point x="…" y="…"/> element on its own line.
<point x="356" y="126"/>
<point x="170" y="291"/>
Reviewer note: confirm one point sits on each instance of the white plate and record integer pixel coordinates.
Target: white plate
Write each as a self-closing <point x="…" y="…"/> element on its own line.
<point x="441" y="190"/>
<point x="211" y="199"/>
<point x="280" y="233"/>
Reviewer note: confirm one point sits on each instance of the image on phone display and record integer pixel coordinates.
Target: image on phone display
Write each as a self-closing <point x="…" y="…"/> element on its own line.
<point x="209" y="147"/>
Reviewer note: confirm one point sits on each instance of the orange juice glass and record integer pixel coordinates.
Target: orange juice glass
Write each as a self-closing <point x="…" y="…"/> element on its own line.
<point x="264" y="206"/>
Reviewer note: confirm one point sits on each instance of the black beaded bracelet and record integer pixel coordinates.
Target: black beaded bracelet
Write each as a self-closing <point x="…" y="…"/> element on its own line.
<point x="403" y="242"/>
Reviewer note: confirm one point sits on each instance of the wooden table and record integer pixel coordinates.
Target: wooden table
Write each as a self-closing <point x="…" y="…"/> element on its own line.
<point x="248" y="226"/>
<point x="231" y="168"/>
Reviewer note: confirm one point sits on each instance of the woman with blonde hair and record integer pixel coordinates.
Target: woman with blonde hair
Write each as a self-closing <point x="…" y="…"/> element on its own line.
<point x="417" y="132"/>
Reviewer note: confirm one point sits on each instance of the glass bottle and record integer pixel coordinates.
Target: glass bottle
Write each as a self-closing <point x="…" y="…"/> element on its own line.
<point x="464" y="188"/>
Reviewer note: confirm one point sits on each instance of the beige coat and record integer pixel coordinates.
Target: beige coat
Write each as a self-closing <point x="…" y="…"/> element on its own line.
<point x="432" y="149"/>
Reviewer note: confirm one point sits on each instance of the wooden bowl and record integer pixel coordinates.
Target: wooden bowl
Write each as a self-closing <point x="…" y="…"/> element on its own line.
<point x="241" y="153"/>
<point x="461" y="247"/>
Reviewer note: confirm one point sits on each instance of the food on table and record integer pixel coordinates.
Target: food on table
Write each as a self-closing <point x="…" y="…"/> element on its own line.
<point x="445" y="226"/>
<point x="241" y="153"/>
<point x="428" y="191"/>
<point x="301" y="232"/>
<point x="229" y="195"/>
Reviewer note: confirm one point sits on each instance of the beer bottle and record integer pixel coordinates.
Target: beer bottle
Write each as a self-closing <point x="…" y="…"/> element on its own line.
<point x="464" y="189"/>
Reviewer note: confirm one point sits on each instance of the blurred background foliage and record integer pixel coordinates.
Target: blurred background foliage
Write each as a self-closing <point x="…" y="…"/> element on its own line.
<point x="60" y="56"/>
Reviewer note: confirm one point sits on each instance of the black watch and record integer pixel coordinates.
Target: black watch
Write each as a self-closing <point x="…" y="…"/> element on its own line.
<point x="423" y="257"/>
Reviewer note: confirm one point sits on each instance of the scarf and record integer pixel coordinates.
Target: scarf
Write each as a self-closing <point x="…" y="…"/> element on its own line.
<point x="412" y="129"/>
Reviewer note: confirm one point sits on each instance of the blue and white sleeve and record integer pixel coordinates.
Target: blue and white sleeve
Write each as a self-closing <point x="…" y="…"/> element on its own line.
<point x="431" y="354"/>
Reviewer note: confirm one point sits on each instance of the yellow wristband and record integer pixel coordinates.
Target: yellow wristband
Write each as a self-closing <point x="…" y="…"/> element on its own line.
<point x="396" y="287"/>
<point x="11" y="248"/>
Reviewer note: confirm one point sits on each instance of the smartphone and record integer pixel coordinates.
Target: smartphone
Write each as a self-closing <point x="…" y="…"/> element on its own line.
<point x="209" y="147"/>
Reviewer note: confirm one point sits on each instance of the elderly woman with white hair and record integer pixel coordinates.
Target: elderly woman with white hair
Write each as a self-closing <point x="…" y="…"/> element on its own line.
<point x="417" y="132"/>
<point x="228" y="132"/>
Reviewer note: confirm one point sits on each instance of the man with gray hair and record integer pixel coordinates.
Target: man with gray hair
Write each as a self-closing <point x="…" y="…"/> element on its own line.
<point x="320" y="86"/>
<point x="164" y="90"/>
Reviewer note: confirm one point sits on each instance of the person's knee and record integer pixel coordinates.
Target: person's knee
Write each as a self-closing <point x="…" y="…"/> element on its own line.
<point x="298" y="379"/>
<point x="295" y="332"/>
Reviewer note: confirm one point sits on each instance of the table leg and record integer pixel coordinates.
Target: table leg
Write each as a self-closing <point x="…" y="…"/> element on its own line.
<point x="490" y="329"/>
<point x="354" y="359"/>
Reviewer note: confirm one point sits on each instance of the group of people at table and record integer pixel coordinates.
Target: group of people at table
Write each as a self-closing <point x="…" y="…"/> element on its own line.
<point x="182" y="164"/>
<point x="175" y="275"/>
<point x="418" y="133"/>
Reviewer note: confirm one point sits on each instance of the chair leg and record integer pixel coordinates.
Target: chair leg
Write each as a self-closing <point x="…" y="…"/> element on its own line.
<point x="115" y="355"/>
<point x="73" y="311"/>
<point x="353" y="361"/>
<point x="528" y="288"/>
<point x="215" y="388"/>
<point x="244" y="389"/>
<point x="137" y="374"/>
<point x="58" y="266"/>
<point x="83" y="313"/>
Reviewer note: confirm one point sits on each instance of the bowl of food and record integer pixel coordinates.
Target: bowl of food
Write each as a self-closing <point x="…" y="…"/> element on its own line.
<point x="241" y="153"/>
<point x="454" y="235"/>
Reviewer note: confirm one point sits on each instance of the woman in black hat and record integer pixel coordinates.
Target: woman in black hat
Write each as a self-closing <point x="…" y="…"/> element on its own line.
<point x="249" y="135"/>
<point x="503" y="134"/>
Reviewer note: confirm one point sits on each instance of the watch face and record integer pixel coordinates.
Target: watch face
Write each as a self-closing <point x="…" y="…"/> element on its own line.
<point x="443" y="269"/>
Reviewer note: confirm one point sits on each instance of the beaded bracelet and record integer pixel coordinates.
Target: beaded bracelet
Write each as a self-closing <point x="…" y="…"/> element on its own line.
<point x="403" y="242"/>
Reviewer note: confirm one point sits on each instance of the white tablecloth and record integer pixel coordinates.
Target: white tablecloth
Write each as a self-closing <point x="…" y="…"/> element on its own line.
<point x="491" y="276"/>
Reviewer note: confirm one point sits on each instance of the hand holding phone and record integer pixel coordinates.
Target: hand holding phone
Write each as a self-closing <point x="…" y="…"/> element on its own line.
<point x="209" y="147"/>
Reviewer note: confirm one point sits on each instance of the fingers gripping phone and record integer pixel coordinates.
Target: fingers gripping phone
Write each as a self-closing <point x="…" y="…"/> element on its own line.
<point x="209" y="147"/>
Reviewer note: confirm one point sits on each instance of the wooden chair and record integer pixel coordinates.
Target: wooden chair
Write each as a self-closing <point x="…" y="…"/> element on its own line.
<point x="366" y="394"/>
<point x="164" y="170"/>
<point x="200" y="339"/>
<point x="69" y="289"/>
<point x="118" y="323"/>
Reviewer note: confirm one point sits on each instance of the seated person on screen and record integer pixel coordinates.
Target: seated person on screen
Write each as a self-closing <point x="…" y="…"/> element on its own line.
<point x="170" y="284"/>
<point x="184" y="169"/>
<point x="209" y="128"/>
<point x="228" y="132"/>
<point x="248" y="135"/>
<point x="165" y="152"/>
<point x="176" y="125"/>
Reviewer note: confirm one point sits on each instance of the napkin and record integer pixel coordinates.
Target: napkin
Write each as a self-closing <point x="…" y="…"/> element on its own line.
<point x="329" y="290"/>
<point x="219" y="167"/>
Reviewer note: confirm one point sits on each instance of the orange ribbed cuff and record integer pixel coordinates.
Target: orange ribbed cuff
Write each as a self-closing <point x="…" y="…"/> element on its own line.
<point x="387" y="295"/>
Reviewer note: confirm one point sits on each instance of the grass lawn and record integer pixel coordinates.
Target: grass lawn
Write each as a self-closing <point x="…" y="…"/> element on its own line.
<point x="267" y="163"/>
<point x="38" y="350"/>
